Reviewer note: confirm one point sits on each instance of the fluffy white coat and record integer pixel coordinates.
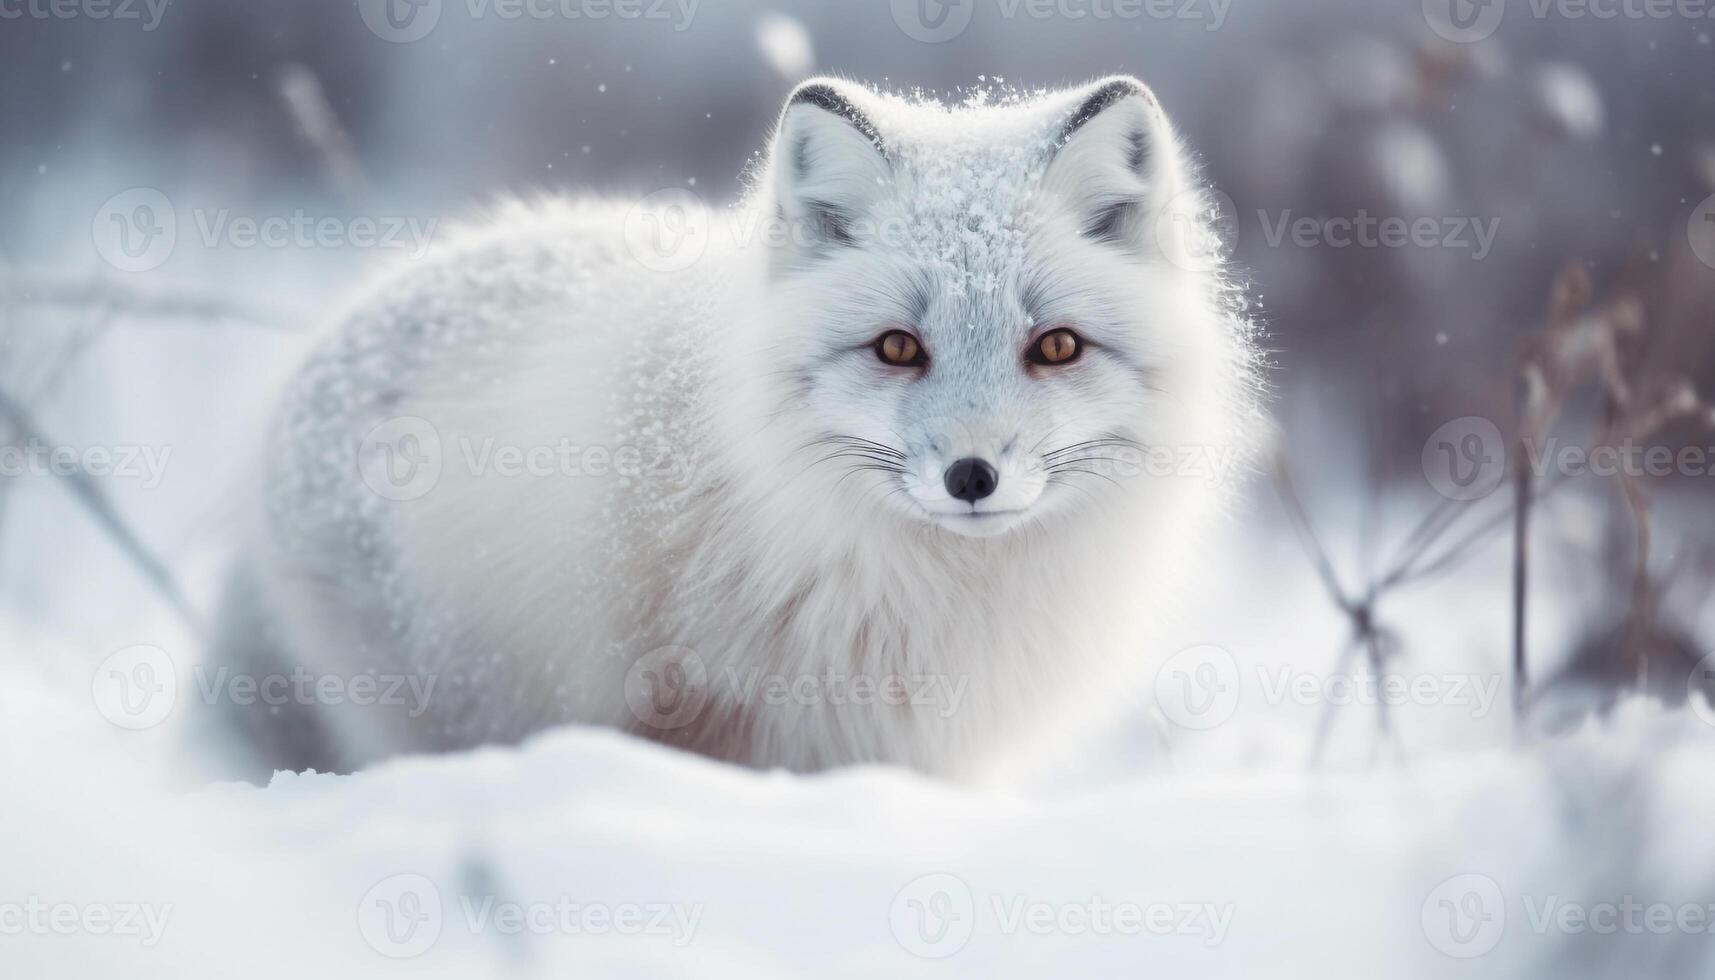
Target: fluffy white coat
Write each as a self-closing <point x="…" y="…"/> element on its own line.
<point x="637" y="464"/>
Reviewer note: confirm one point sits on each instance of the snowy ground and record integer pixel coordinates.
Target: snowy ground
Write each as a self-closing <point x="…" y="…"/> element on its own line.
<point x="589" y="854"/>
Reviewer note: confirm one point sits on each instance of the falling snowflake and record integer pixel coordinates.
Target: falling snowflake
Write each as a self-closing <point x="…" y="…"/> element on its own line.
<point x="785" y="45"/>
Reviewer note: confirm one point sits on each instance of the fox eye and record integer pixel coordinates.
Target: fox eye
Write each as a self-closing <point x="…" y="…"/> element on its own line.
<point x="1056" y="347"/>
<point x="900" y="349"/>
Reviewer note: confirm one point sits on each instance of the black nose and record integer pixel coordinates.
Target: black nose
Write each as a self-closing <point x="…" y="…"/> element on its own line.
<point x="971" y="479"/>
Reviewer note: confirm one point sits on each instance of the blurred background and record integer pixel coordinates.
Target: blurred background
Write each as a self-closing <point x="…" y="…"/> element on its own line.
<point x="1480" y="238"/>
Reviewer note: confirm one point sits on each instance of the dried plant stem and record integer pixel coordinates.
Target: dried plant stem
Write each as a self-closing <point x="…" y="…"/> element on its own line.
<point x="1642" y="610"/>
<point x="105" y="294"/>
<point x="94" y="500"/>
<point x="1366" y="632"/>
<point x="1523" y="497"/>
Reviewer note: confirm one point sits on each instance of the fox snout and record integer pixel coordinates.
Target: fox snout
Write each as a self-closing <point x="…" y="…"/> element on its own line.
<point x="971" y="479"/>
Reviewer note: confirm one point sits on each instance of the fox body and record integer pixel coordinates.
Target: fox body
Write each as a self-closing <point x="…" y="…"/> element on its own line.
<point x="867" y="468"/>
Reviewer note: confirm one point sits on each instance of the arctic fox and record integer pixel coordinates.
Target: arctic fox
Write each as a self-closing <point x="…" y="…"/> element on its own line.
<point x="895" y="461"/>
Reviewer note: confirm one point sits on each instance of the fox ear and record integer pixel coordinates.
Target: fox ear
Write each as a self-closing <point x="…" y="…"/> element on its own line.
<point x="828" y="166"/>
<point x="1117" y="163"/>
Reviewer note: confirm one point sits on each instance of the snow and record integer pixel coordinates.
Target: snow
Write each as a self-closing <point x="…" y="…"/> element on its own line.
<point x="785" y="45"/>
<point x="1413" y="167"/>
<point x="1568" y="100"/>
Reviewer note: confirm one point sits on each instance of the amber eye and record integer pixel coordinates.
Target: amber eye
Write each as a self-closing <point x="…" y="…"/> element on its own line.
<point x="900" y="349"/>
<point x="1056" y="347"/>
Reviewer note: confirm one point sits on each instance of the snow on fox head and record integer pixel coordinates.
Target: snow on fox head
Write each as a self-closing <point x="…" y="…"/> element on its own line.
<point x="993" y="313"/>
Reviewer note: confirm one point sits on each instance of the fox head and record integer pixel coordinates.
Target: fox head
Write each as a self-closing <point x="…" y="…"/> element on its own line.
<point x="983" y="315"/>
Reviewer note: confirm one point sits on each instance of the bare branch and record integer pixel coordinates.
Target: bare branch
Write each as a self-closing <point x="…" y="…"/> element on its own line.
<point x="129" y="298"/>
<point x="87" y="492"/>
<point x="1288" y="492"/>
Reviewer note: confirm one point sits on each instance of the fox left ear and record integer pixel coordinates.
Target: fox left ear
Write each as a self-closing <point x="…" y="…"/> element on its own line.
<point x="828" y="167"/>
<point x="1117" y="163"/>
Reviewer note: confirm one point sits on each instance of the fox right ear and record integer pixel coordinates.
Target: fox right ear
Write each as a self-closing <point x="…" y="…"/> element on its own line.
<point x="828" y="167"/>
<point x="1117" y="163"/>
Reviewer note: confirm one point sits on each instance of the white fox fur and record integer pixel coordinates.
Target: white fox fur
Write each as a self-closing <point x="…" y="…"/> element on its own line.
<point x="780" y="541"/>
